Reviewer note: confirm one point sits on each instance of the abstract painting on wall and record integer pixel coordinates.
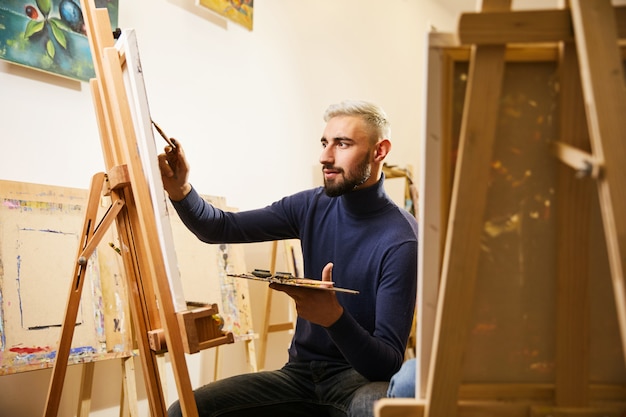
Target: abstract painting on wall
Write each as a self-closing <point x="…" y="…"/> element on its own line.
<point x="49" y="35"/>
<point x="239" y="11"/>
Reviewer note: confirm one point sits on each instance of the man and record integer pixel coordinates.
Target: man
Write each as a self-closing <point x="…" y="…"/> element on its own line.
<point x="402" y="384"/>
<point x="352" y="234"/>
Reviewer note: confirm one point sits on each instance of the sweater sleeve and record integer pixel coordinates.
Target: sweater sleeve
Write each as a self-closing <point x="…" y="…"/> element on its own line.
<point x="379" y="355"/>
<point x="213" y="225"/>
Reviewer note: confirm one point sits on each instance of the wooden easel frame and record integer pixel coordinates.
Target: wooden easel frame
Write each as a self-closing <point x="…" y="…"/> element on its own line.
<point x="586" y="29"/>
<point x="268" y="326"/>
<point x="158" y="322"/>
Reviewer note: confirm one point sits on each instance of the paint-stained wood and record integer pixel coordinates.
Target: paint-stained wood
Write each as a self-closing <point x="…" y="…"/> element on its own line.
<point x="546" y="332"/>
<point x="40" y="229"/>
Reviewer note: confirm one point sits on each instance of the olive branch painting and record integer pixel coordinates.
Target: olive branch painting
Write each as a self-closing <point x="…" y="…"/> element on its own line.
<point x="49" y="35"/>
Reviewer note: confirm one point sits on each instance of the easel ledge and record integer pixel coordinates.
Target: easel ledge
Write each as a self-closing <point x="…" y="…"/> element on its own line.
<point x="72" y="360"/>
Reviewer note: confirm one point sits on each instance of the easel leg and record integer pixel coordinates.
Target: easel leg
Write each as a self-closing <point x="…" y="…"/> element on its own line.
<point x="278" y="327"/>
<point x="462" y="251"/>
<point x="602" y="78"/>
<point x="573" y="220"/>
<point x="161" y="364"/>
<point x="67" y="330"/>
<point x="128" y="397"/>
<point x="86" y="384"/>
<point x="252" y="362"/>
<point x="216" y="366"/>
<point x="141" y="319"/>
<point x="268" y="308"/>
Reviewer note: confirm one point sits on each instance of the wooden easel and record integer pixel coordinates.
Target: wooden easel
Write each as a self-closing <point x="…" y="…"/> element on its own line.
<point x="158" y="323"/>
<point x="268" y="326"/>
<point x="590" y="29"/>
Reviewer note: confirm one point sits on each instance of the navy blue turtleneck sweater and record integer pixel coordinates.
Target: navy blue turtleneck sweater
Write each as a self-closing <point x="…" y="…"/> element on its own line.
<point x="373" y="245"/>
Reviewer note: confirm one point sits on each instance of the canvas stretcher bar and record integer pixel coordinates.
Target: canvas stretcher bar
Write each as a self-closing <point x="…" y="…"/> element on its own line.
<point x="602" y="76"/>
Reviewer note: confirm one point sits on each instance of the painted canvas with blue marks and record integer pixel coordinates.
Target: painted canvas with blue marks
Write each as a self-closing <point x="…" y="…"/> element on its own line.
<point x="40" y="233"/>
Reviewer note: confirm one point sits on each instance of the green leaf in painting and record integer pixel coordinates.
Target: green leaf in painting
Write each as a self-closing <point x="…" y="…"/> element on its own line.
<point x="44" y="6"/>
<point x="58" y="34"/>
<point x="50" y="48"/>
<point x="33" y="27"/>
<point x="60" y="24"/>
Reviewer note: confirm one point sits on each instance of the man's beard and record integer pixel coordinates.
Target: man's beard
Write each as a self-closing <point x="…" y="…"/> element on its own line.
<point x="358" y="176"/>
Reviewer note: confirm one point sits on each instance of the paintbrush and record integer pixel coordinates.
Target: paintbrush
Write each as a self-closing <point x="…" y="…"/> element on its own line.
<point x="171" y="142"/>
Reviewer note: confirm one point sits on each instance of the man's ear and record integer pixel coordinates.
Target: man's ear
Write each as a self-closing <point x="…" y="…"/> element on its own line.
<point x="381" y="149"/>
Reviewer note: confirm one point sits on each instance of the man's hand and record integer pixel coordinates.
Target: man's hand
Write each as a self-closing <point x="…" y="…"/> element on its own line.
<point x="175" y="172"/>
<point x="319" y="307"/>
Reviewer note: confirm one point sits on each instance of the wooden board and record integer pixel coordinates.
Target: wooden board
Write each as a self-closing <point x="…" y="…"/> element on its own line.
<point x="514" y="308"/>
<point x="511" y="351"/>
<point x="39" y="236"/>
<point x="531" y="304"/>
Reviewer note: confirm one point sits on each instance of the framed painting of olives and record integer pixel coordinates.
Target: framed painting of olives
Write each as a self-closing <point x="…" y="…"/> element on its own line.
<point x="49" y="35"/>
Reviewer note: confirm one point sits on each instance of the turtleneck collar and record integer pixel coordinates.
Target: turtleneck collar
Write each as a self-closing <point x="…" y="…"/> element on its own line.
<point x="367" y="200"/>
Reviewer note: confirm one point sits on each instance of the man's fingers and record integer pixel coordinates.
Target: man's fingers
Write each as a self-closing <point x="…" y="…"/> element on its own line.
<point x="327" y="273"/>
<point x="164" y="166"/>
<point x="279" y="287"/>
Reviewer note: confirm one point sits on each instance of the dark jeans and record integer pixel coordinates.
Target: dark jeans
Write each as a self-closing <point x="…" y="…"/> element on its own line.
<point x="313" y="389"/>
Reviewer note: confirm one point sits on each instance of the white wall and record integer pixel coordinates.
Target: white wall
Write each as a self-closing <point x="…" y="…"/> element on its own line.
<point x="246" y="105"/>
<point x="248" y="108"/>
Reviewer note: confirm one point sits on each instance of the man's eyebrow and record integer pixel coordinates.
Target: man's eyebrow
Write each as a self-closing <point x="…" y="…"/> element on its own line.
<point x="338" y="139"/>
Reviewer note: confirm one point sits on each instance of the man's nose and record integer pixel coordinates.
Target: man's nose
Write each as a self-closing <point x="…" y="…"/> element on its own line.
<point x="327" y="157"/>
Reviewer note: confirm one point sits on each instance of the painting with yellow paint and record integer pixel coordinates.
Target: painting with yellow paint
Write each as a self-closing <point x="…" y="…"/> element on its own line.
<point x="239" y="11"/>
